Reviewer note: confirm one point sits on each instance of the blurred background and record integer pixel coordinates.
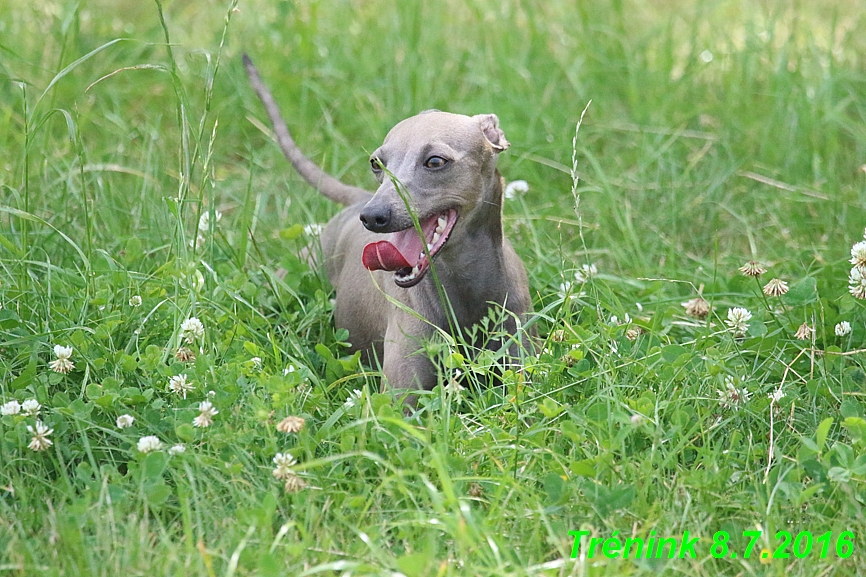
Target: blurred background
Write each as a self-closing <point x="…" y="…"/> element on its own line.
<point x="718" y="131"/>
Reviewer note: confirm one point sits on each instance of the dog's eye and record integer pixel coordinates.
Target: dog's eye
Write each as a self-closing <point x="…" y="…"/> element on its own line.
<point x="376" y="164"/>
<point x="435" y="162"/>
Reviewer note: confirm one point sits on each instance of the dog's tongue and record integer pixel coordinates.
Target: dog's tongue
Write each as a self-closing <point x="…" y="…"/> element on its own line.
<point x="383" y="255"/>
<point x="401" y="250"/>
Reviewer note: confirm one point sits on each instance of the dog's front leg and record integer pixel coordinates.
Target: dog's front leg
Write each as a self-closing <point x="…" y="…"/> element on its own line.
<point x="406" y="365"/>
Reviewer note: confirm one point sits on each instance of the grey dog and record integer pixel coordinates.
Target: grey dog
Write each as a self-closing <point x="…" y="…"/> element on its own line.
<point x="437" y="177"/>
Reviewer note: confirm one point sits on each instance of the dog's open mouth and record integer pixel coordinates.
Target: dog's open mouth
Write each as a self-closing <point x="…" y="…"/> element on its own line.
<point x="404" y="252"/>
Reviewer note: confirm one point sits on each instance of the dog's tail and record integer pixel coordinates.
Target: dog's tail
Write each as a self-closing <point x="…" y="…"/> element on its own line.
<point x="321" y="181"/>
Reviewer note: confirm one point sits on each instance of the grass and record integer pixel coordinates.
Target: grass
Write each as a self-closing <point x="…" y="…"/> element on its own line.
<point x="719" y="132"/>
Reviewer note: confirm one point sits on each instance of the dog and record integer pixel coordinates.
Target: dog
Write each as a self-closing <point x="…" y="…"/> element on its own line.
<point x="424" y="253"/>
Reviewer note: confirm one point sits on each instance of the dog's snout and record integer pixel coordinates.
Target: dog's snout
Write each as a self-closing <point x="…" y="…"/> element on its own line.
<point x="376" y="219"/>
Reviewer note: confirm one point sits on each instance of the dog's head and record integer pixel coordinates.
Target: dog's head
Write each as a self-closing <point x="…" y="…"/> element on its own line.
<point x="439" y="167"/>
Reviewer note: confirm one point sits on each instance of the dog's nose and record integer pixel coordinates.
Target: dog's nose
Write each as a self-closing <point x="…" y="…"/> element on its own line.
<point x="377" y="219"/>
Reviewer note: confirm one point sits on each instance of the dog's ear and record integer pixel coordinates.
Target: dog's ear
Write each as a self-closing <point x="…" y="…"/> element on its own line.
<point x="489" y="124"/>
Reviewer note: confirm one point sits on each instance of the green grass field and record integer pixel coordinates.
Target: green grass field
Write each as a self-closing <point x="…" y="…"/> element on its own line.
<point x="719" y="132"/>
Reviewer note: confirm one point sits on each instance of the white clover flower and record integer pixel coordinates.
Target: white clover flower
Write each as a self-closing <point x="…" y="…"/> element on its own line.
<point x="31" y="407"/>
<point x="738" y="320"/>
<point x="206" y="414"/>
<point x="184" y="354"/>
<point x="204" y="220"/>
<point x="257" y="363"/>
<point x="454" y="387"/>
<point x="294" y="483"/>
<point x="697" y="308"/>
<point x="192" y="329"/>
<point x="637" y="420"/>
<point x="804" y="333"/>
<point x="62" y="352"/>
<point x="197" y="243"/>
<point x="283" y="462"/>
<point x="585" y="272"/>
<point x="775" y="288"/>
<point x="62" y="364"/>
<point x="179" y="385"/>
<point x="314" y="229"/>
<point x="843" y="328"/>
<point x="40" y="440"/>
<point x="125" y="421"/>
<point x="752" y="268"/>
<point x="135" y="301"/>
<point x="857" y="282"/>
<point x="149" y="444"/>
<point x="567" y="288"/>
<point x="291" y="425"/>
<point x="776" y="396"/>
<point x="13" y="407"/>
<point x="732" y="396"/>
<point x="289" y="369"/>
<point x="353" y="399"/>
<point x="177" y="449"/>
<point x="858" y="254"/>
<point x="515" y="187"/>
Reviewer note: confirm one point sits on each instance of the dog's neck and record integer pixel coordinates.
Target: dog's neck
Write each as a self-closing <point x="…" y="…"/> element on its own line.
<point x="471" y="271"/>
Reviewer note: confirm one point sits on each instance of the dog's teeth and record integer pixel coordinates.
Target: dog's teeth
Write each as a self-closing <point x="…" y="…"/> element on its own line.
<point x="430" y="245"/>
<point x="443" y="222"/>
<point x="436" y="237"/>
